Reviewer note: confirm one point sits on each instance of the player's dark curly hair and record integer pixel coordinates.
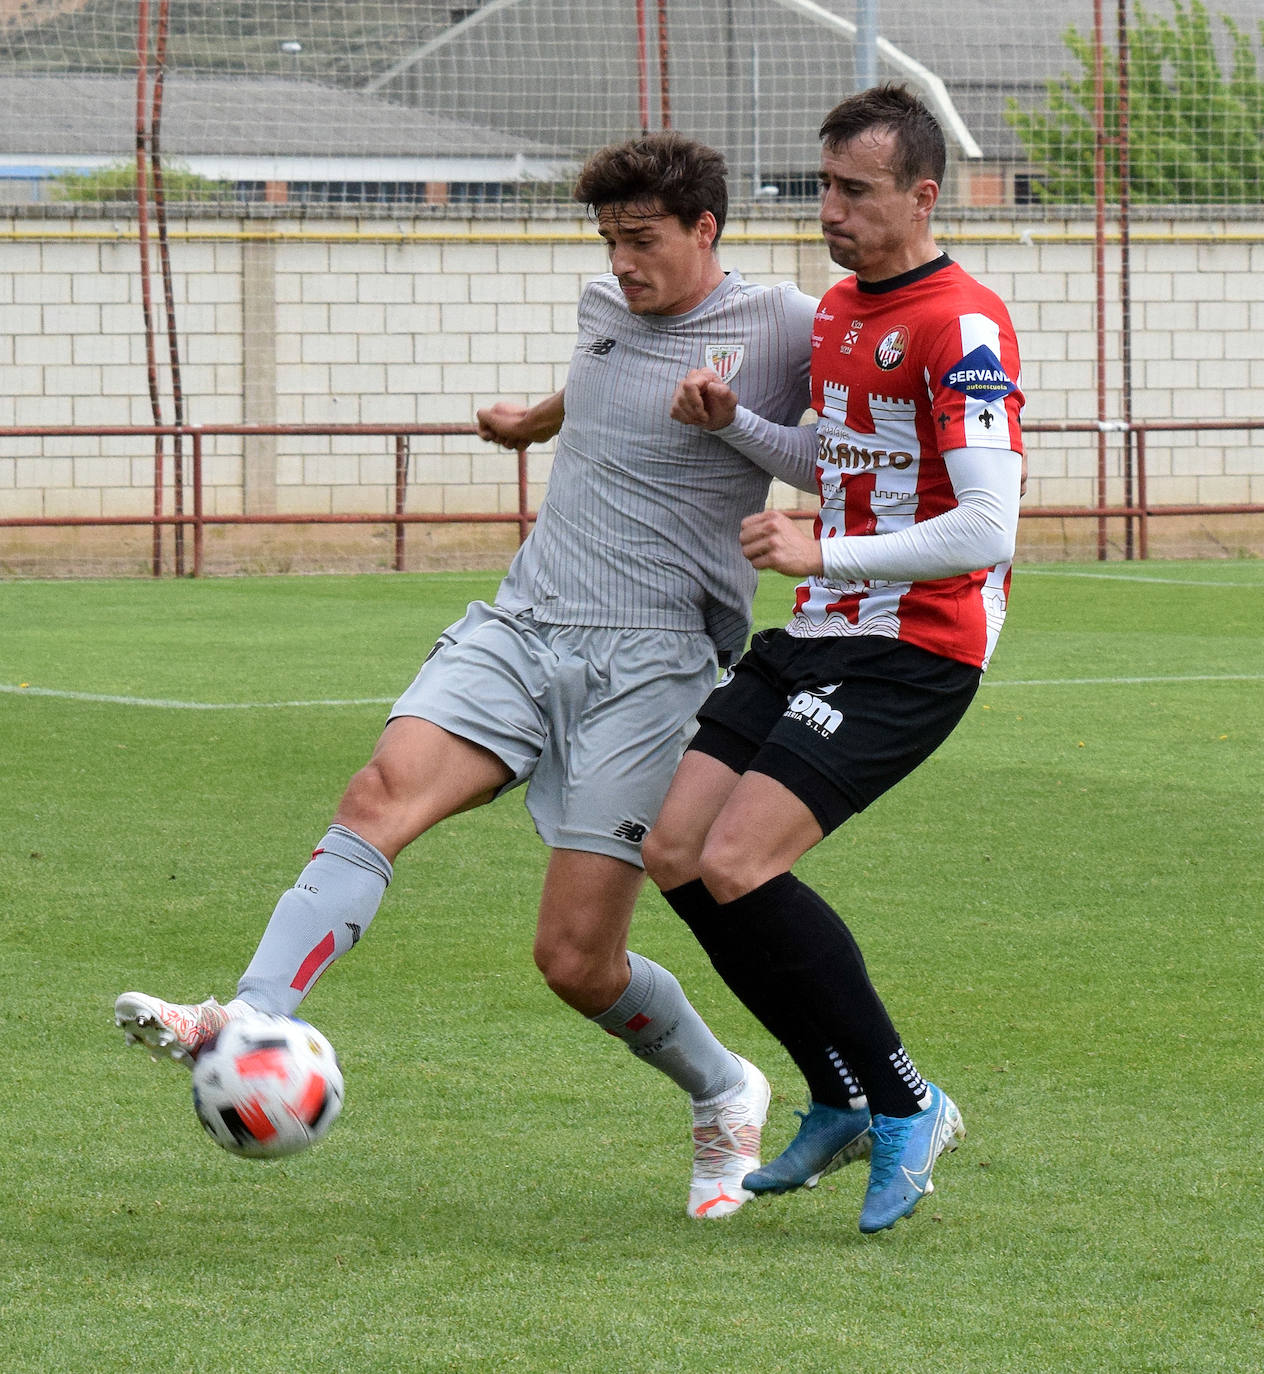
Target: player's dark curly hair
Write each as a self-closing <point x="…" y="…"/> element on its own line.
<point x="686" y="178"/>
<point x="919" y="141"/>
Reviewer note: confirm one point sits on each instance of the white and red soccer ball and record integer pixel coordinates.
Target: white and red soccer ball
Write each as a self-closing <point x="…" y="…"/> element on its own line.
<point x="267" y="1086"/>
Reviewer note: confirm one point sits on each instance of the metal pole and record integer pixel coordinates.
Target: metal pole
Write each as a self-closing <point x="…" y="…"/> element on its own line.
<point x="401" y="496"/>
<point x="524" y="510"/>
<point x="664" y="84"/>
<point x="168" y="290"/>
<point x="199" y="528"/>
<point x="142" y="238"/>
<point x="734" y="127"/>
<point x="1125" y="268"/>
<point x="642" y="67"/>
<point x="1099" y="197"/>
<point x="867" y="44"/>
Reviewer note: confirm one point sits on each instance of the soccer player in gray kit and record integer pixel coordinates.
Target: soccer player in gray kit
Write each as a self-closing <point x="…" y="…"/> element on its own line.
<point x="582" y="677"/>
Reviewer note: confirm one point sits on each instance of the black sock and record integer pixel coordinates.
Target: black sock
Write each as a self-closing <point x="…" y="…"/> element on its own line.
<point x="829" y="1079"/>
<point x="789" y="939"/>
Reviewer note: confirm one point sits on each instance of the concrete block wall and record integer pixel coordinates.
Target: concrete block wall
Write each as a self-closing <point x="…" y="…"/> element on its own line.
<point x="367" y="321"/>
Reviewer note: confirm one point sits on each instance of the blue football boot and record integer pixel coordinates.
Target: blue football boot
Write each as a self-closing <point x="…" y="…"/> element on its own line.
<point x="905" y="1149"/>
<point x="828" y="1138"/>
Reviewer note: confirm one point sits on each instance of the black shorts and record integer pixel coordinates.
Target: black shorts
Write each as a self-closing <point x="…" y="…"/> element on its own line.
<point x="836" y="720"/>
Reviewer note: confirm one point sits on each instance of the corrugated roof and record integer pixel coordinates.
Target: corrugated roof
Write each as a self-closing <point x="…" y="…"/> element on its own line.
<point x="96" y="115"/>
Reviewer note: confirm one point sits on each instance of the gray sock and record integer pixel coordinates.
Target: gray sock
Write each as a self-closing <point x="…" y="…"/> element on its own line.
<point x="656" y="1021"/>
<point x="316" y="921"/>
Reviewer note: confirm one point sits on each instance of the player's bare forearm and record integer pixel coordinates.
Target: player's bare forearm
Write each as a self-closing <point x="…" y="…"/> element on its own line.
<point x="771" y="539"/>
<point x="702" y="399"/>
<point x="513" y="425"/>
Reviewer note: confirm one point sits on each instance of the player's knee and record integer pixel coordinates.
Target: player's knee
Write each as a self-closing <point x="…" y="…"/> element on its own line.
<point x="582" y="978"/>
<point x="565" y="969"/>
<point x="729" y="871"/>
<point x="380" y="810"/>
<point x="368" y="797"/>
<point x="668" y="859"/>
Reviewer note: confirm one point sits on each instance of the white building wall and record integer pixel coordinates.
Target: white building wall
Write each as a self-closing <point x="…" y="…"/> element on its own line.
<point x="375" y="321"/>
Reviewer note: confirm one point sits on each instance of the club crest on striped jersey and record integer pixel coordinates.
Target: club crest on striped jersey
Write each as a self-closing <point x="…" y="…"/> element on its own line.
<point x="725" y="359"/>
<point x="979" y="376"/>
<point x="891" y="349"/>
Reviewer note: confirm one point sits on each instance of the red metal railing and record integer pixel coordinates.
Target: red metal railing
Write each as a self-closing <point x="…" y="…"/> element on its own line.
<point x="1136" y="512"/>
<point x="198" y="519"/>
<point x="1139" y="511"/>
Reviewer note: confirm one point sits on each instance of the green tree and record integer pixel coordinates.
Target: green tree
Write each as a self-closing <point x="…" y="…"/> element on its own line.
<point x="1195" y="126"/>
<point x="116" y="183"/>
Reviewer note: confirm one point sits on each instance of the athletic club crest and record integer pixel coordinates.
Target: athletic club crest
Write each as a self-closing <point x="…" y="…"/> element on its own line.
<point x="724" y="358"/>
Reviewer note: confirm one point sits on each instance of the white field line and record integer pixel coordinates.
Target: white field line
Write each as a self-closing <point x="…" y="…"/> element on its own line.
<point x="1120" y="681"/>
<point x="17" y="689"/>
<point x="1021" y="572"/>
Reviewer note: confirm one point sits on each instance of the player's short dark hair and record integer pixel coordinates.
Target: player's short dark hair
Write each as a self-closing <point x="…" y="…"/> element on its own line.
<point x="686" y="178"/>
<point x="919" y="141"/>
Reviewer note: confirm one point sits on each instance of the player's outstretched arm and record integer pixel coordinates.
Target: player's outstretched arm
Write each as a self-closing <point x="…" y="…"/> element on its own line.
<point x="784" y="451"/>
<point x="513" y="425"/>
<point x="978" y="532"/>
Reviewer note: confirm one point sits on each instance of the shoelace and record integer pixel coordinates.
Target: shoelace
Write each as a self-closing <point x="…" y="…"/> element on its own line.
<point x="192" y="1026"/>
<point x="719" y="1141"/>
<point x="888" y="1146"/>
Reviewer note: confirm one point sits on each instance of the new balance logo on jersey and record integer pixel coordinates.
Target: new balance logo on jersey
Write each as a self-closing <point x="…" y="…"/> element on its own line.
<point x="811" y="710"/>
<point x="599" y="347"/>
<point x="630" y="830"/>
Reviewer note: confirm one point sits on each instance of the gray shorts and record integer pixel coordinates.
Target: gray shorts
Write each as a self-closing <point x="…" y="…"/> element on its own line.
<point x="592" y="719"/>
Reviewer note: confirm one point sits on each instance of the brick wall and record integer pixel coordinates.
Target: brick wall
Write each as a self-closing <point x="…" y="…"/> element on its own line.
<point x="373" y="321"/>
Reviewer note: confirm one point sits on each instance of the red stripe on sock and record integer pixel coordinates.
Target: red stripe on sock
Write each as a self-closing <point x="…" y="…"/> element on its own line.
<point x="310" y="966"/>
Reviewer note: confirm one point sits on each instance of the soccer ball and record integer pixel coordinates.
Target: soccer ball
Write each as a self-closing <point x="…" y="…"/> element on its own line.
<point x="267" y="1086"/>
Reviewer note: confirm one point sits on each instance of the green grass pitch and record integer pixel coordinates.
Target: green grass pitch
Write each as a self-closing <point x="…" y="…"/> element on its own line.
<point x="1062" y="908"/>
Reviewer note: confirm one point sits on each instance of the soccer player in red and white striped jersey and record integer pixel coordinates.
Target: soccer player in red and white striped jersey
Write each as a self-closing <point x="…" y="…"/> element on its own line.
<point x="915" y="381"/>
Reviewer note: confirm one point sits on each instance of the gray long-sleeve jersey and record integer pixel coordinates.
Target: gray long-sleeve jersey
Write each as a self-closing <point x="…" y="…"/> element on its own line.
<point x="639" y="525"/>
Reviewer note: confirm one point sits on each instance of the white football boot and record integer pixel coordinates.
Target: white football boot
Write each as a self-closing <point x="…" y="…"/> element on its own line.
<point x="171" y="1030"/>
<point x="726" y="1135"/>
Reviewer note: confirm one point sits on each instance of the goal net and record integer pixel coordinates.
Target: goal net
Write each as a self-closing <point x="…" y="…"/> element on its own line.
<point x="494" y="103"/>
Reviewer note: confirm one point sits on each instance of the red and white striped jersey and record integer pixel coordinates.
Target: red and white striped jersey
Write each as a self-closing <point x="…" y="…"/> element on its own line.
<point x="902" y="373"/>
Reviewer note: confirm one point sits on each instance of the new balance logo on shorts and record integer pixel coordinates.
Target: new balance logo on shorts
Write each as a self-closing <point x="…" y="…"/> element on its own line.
<point x="630" y="830"/>
<point x="599" y="347"/>
<point x="814" y="712"/>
